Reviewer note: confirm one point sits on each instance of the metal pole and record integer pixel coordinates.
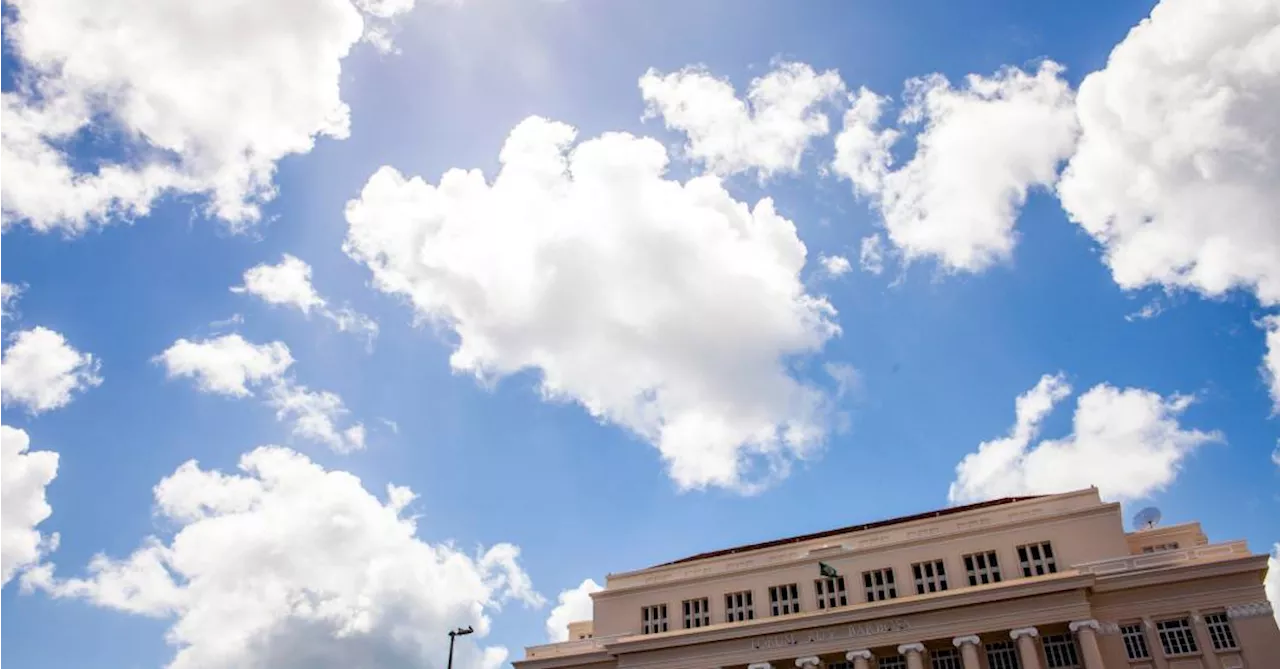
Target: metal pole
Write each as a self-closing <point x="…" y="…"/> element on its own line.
<point x="452" y="636"/>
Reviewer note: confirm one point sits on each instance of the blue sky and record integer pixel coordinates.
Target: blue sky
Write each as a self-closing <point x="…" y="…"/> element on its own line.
<point x="941" y="351"/>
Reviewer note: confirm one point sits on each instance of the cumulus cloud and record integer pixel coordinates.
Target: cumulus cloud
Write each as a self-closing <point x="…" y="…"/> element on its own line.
<point x="668" y="308"/>
<point x="1127" y="442"/>
<point x="226" y="365"/>
<point x="230" y="365"/>
<point x="288" y="284"/>
<point x="835" y="266"/>
<point x="769" y="131"/>
<point x="9" y="294"/>
<point x="314" y="415"/>
<point x="573" y="605"/>
<point x="1179" y="156"/>
<point x="42" y="371"/>
<point x="1271" y="359"/>
<point x="284" y="564"/>
<point x="201" y="98"/>
<point x="871" y="254"/>
<point x="26" y="474"/>
<point x="982" y="147"/>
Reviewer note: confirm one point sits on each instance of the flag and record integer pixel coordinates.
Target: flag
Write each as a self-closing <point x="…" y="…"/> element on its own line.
<point x="826" y="570"/>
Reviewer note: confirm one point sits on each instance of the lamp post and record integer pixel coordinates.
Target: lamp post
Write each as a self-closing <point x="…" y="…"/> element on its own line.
<point x="454" y="634"/>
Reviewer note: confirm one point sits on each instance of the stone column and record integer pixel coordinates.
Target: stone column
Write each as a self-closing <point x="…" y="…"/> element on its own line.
<point x="1154" y="647"/>
<point x="1205" y="642"/>
<point x="914" y="653"/>
<point x="860" y="658"/>
<point x="811" y="662"/>
<point x="1086" y="632"/>
<point x="1026" y="639"/>
<point x="968" y="646"/>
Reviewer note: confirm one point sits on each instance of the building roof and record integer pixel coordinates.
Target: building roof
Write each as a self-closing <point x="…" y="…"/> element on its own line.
<point x="852" y="528"/>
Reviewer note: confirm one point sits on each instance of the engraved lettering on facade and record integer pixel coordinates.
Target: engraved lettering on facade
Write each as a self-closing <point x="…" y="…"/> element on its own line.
<point x="830" y="634"/>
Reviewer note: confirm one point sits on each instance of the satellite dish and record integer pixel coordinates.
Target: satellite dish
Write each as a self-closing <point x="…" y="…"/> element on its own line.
<point x="1146" y="518"/>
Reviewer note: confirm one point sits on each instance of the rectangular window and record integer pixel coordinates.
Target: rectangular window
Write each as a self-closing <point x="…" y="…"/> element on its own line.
<point x="891" y="662"/>
<point x="1176" y="637"/>
<point x="739" y="607"/>
<point x="1135" y="641"/>
<point x="1002" y="655"/>
<point x="1060" y="652"/>
<point x="948" y="658"/>
<point x="697" y="613"/>
<point x="839" y="665"/>
<point x="983" y="568"/>
<point x="1037" y="559"/>
<point x="879" y="584"/>
<point x="930" y="576"/>
<point x="653" y="619"/>
<point x="784" y="599"/>
<point x="830" y="592"/>
<point x="1220" y="631"/>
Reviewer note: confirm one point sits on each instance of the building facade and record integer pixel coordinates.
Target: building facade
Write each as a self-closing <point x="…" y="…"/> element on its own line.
<point x="1047" y="582"/>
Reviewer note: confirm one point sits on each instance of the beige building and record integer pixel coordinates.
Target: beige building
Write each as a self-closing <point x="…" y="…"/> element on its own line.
<point x="1044" y="582"/>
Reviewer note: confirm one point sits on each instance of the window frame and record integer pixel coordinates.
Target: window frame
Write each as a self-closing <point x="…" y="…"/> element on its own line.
<point x="930" y="576"/>
<point x="744" y="608"/>
<point x="1137" y="634"/>
<point x="1219" y="625"/>
<point x="785" y="605"/>
<point x="1037" y="557"/>
<point x="1180" y="630"/>
<point x="696" y="611"/>
<point x="1060" y="651"/>
<point x="1007" y="653"/>
<point x="879" y="584"/>
<point x="945" y="658"/>
<point x="830" y="592"/>
<point x="651" y="616"/>
<point x="989" y="570"/>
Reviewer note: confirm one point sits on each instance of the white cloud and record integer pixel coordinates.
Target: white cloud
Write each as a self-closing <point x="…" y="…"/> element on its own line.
<point x="1127" y="442"/>
<point x="871" y="254"/>
<point x="835" y="266"/>
<point x="983" y="146"/>
<point x="26" y="474"/>
<point x="226" y="365"/>
<point x="201" y="97"/>
<point x="1271" y="359"/>
<point x="573" y="605"/>
<point x="42" y="371"/>
<point x="314" y="416"/>
<point x="9" y="294"/>
<point x="1179" y="155"/>
<point x="668" y="308"/>
<point x="768" y="132"/>
<point x="289" y="284"/>
<point x="285" y="565"/>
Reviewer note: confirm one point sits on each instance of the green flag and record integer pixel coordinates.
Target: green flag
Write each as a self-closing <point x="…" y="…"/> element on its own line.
<point x="826" y="570"/>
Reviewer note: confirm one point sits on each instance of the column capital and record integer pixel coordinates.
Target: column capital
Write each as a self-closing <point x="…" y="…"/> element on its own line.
<point x="811" y="661"/>
<point x="905" y="648"/>
<point x="1085" y="624"/>
<point x="860" y="654"/>
<point x="962" y="640"/>
<point x="760" y="665"/>
<point x="1024" y="631"/>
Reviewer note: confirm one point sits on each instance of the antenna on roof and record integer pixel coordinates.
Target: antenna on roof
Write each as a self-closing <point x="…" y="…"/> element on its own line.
<point x="1146" y="518"/>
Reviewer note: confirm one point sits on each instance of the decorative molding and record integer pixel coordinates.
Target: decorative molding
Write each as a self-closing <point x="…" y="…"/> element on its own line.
<point x="860" y="654"/>
<point x="1083" y="624"/>
<point x="811" y="661"/>
<point x="1024" y="631"/>
<point x="1249" y="610"/>
<point x="911" y="648"/>
<point x="962" y="640"/>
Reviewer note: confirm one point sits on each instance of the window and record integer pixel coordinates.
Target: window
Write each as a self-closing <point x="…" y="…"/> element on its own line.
<point x="830" y="592"/>
<point x="1135" y="641"/>
<point x="930" y="576"/>
<point x="1060" y="652"/>
<point x="1002" y="655"/>
<point x="946" y="659"/>
<point x="983" y="568"/>
<point x="1156" y="548"/>
<point x="839" y="665"/>
<point x="738" y="607"/>
<point x="879" y="584"/>
<point x="892" y="662"/>
<point x="1176" y="637"/>
<point x="697" y="613"/>
<point x="653" y="619"/>
<point x="1037" y="559"/>
<point x="784" y="599"/>
<point x="1220" y="631"/>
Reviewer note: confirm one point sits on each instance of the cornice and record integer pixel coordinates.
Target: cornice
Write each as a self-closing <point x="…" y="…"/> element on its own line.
<point x="1178" y="573"/>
